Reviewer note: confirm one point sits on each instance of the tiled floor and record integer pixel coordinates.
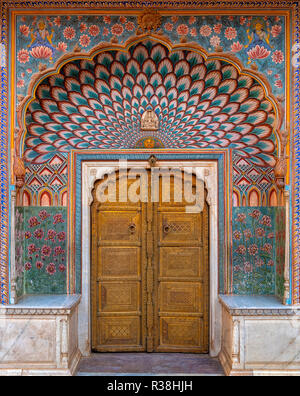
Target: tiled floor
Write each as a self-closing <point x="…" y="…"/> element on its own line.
<point x="101" y="364"/>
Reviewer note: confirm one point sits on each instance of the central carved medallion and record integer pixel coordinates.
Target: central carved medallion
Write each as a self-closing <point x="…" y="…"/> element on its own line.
<point x="149" y="20"/>
<point x="149" y="121"/>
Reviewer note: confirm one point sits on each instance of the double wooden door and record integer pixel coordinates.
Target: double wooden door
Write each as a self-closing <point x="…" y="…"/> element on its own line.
<point x="150" y="277"/>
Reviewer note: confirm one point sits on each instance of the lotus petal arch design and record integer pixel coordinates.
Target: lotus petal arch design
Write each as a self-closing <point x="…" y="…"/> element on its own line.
<point x="200" y="103"/>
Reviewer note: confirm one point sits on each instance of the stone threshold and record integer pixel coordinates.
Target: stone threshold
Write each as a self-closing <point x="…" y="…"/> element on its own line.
<point x="149" y="364"/>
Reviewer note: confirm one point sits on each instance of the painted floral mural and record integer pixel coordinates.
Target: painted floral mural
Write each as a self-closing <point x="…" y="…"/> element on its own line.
<point x="254" y="40"/>
<point x="254" y="254"/>
<point x="45" y="250"/>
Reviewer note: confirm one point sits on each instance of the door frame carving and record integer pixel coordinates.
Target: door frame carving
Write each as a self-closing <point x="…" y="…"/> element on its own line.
<point x="92" y="171"/>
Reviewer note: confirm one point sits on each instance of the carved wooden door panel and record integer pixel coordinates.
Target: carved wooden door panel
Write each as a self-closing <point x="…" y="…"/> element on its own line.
<point x="118" y="277"/>
<point x="149" y="276"/>
<point x="181" y="278"/>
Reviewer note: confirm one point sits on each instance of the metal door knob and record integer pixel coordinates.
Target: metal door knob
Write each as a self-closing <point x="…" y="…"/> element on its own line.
<point x="132" y="228"/>
<point x="166" y="229"/>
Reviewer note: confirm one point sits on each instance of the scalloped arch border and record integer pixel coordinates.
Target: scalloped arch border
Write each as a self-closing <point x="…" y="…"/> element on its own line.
<point x="38" y="78"/>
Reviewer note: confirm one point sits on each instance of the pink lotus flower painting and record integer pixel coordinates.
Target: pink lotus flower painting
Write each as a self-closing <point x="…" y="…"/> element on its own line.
<point x="41" y="52"/>
<point x="237" y="47"/>
<point x="258" y="53"/>
<point x="23" y="56"/>
<point x="24" y="30"/>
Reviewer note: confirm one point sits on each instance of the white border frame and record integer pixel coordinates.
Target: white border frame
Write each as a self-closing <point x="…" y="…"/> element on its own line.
<point x="93" y="171"/>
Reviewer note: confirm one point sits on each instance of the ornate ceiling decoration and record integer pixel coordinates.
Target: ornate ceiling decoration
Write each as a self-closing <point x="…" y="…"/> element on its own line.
<point x="149" y="20"/>
<point x="200" y="102"/>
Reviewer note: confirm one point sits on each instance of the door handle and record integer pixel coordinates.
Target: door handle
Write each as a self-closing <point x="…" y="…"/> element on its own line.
<point x="166" y="229"/>
<point x="132" y="228"/>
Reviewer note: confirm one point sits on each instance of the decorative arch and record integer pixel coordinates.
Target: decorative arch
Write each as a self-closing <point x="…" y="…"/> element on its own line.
<point x="236" y="198"/>
<point x="254" y="197"/>
<point x="45" y="198"/>
<point x="63" y="201"/>
<point x="96" y="100"/>
<point x="91" y="172"/>
<point x="26" y="198"/>
<point x="273" y="197"/>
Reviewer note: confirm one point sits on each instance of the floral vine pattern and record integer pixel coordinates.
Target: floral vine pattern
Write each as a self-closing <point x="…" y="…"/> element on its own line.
<point x="254" y="254"/>
<point x="45" y="250"/>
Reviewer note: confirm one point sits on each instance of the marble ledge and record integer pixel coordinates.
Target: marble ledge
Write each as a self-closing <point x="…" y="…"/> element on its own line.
<point x="257" y="306"/>
<point x="42" y="305"/>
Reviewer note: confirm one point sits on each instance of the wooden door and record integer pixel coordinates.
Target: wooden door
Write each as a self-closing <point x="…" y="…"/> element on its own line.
<point x="181" y="277"/>
<point x="118" y="276"/>
<point x="149" y="276"/>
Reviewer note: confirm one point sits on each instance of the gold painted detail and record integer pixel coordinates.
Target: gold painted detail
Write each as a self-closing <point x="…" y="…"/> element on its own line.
<point x="118" y="331"/>
<point x="280" y="172"/>
<point x="149" y="20"/>
<point x="152" y="161"/>
<point x="19" y="171"/>
<point x="177" y="227"/>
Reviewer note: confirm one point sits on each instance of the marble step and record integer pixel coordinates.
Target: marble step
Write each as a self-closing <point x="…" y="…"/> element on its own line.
<point x="149" y="364"/>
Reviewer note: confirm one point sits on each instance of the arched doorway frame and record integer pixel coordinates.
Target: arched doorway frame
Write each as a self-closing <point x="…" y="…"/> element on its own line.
<point x="93" y="171"/>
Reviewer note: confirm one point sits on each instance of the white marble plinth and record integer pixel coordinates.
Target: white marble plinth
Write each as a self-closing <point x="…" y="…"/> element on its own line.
<point x="39" y="336"/>
<point x="260" y="336"/>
